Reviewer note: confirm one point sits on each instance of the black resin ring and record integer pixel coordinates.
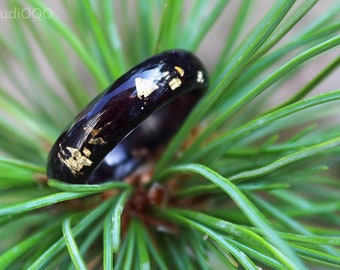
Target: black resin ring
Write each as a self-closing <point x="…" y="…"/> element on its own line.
<point x="110" y="138"/>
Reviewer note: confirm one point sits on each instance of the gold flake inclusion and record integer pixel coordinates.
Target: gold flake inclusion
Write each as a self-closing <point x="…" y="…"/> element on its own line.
<point x="144" y="87"/>
<point x="77" y="160"/>
<point x="180" y="70"/>
<point x="98" y="140"/>
<point x="200" y="77"/>
<point x="175" y="83"/>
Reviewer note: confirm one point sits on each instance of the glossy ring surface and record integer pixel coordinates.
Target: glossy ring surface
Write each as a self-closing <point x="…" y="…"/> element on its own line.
<point x="106" y="139"/>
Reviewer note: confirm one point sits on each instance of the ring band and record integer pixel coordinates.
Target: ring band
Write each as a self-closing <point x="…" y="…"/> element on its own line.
<point x="134" y="113"/>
